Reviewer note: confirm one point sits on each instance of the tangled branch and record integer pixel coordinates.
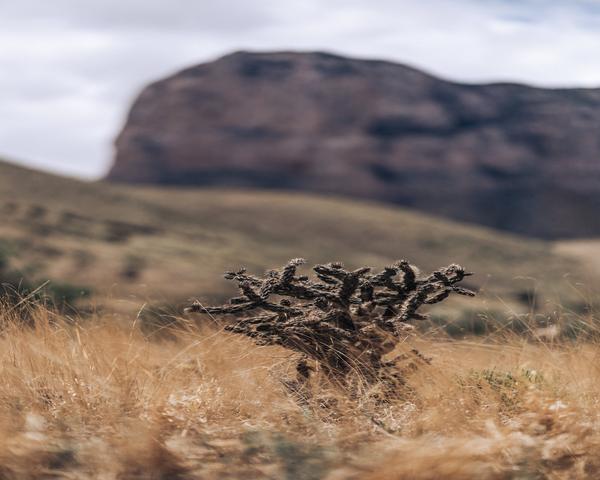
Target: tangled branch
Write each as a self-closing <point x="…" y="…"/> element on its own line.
<point x="346" y="320"/>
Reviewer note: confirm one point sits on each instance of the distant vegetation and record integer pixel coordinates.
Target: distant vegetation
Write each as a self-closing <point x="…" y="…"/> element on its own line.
<point x="16" y="285"/>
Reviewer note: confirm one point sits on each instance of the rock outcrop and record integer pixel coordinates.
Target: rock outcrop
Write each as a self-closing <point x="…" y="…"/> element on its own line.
<point x="508" y="156"/>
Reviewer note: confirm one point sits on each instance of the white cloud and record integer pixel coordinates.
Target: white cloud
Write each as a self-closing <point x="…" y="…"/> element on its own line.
<point x="69" y="68"/>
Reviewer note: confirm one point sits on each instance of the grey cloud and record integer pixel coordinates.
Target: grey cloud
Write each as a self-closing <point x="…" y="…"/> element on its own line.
<point x="147" y="15"/>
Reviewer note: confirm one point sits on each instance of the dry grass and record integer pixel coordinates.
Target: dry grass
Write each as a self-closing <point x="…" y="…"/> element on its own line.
<point x="102" y="399"/>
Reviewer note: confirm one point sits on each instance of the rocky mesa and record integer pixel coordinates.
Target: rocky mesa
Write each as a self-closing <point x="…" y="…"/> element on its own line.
<point x="508" y="156"/>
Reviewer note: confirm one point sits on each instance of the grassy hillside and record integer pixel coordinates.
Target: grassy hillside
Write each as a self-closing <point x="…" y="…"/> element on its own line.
<point x="100" y="395"/>
<point x="132" y="245"/>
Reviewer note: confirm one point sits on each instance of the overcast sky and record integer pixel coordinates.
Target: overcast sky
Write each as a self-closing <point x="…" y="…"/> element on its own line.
<point x="70" y="68"/>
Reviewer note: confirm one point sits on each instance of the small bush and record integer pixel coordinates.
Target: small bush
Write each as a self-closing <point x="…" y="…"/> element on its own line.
<point x="346" y="321"/>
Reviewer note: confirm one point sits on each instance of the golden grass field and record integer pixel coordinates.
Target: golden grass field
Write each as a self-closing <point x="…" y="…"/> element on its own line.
<point x="100" y="398"/>
<point x="117" y="391"/>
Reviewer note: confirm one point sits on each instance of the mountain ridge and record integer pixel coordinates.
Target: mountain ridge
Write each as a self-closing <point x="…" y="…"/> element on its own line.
<point x="512" y="157"/>
<point x="377" y="60"/>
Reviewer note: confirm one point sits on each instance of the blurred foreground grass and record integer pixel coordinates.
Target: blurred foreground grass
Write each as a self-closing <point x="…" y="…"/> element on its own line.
<point x="103" y="398"/>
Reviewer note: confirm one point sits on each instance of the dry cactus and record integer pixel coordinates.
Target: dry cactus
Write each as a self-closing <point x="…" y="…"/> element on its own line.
<point x="347" y="321"/>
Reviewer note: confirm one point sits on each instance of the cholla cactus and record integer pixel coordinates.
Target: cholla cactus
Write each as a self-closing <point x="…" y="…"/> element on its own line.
<point x="345" y="320"/>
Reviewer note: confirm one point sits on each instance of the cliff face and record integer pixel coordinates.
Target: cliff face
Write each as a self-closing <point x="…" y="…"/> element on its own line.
<point x="517" y="158"/>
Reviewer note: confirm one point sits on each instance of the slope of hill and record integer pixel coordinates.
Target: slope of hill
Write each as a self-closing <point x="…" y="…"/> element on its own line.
<point x="507" y="156"/>
<point x="165" y="244"/>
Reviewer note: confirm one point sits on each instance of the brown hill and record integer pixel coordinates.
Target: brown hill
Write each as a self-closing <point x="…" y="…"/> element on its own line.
<point x="132" y="245"/>
<point x="509" y="156"/>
